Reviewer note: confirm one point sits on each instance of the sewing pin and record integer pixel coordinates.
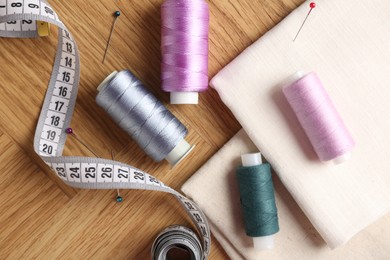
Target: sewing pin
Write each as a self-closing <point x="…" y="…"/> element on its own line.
<point x="312" y="6"/>
<point x="118" y="196"/>
<point x="69" y="131"/>
<point x="116" y="15"/>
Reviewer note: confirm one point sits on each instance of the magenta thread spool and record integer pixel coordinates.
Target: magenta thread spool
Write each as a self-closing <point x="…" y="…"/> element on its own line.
<point x="184" y="46"/>
<point x="319" y="118"/>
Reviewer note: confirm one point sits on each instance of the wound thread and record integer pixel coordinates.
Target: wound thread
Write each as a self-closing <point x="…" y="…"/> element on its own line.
<point x="258" y="200"/>
<point x="184" y="46"/>
<point x="137" y="111"/>
<point x="319" y="118"/>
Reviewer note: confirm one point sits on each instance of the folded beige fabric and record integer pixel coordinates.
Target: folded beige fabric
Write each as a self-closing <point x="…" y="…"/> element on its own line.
<point x="215" y="189"/>
<point x="347" y="44"/>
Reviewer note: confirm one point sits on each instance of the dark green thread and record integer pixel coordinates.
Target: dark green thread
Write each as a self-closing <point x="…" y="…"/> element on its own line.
<point x="258" y="200"/>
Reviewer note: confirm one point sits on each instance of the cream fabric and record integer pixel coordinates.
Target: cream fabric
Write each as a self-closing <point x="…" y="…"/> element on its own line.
<point x="215" y="189"/>
<point x="347" y="44"/>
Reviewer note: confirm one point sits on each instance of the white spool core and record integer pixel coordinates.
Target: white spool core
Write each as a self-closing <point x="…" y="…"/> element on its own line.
<point x="180" y="152"/>
<point x="106" y="81"/>
<point x="184" y="98"/>
<point x="251" y="159"/>
<point x="265" y="242"/>
<point x="294" y="77"/>
<point x="341" y="159"/>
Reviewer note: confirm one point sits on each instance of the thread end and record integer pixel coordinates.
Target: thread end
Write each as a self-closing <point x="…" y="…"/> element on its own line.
<point x="184" y="98"/>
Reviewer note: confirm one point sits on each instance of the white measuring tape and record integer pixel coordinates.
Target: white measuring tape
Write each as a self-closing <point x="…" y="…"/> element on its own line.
<point x="18" y="18"/>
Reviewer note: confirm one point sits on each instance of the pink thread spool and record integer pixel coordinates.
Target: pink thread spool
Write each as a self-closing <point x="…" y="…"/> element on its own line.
<point x="184" y="47"/>
<point x="319" y="118"/>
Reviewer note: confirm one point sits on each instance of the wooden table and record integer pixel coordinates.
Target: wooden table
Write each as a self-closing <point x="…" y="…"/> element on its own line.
<point x="42" y="218"/>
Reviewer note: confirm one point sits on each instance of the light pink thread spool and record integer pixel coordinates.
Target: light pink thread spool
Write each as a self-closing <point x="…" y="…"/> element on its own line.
<point x="319" y="118"/>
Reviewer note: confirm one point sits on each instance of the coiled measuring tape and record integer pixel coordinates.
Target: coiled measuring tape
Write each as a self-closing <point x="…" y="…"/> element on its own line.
<point x="18" y="19"/>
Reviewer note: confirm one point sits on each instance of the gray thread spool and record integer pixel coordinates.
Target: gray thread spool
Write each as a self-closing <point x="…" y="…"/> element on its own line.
<point x="137" y="111"/>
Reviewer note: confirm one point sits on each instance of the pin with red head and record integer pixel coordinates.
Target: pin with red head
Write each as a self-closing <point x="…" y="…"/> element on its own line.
<point x="312" y="5"/>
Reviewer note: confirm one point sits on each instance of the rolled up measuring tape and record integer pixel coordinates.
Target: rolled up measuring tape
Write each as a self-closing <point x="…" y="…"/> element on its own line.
<point x="176" y="237"/>
<point x="18" y="19"/>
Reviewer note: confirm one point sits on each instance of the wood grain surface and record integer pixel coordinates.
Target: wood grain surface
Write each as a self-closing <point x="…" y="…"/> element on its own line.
<point x="42" y="218"/>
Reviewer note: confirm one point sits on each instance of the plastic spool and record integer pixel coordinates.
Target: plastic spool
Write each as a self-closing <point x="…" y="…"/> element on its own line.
<point x="182" y="149"/>
<point x="184" y="46"/>
<point x="184" y="98"/>
<point x="179" y="152"/>
<point x="265" y="242"/>
<point x="295" y="77"/>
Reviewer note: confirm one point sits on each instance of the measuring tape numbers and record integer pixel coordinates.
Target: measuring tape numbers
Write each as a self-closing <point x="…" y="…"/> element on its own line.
<point x="18" y="19"/>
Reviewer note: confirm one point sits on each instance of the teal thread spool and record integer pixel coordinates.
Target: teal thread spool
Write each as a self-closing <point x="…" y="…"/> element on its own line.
<point x="258" y="200"/>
